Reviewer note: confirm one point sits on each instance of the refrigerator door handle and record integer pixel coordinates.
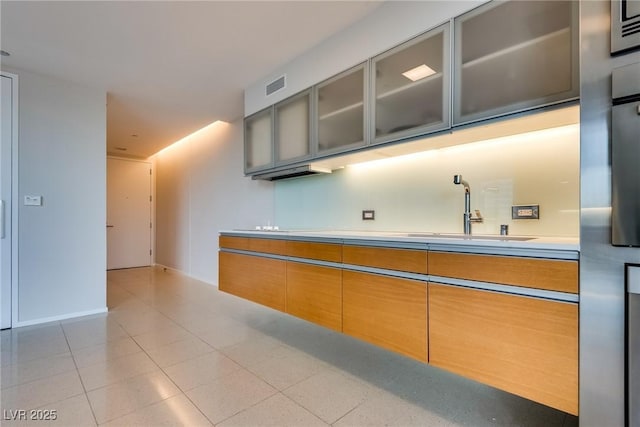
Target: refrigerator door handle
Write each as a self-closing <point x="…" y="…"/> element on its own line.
<point x="633" y="279"/>
<point x="2" y="234"/>
<point x="632" y="356"/>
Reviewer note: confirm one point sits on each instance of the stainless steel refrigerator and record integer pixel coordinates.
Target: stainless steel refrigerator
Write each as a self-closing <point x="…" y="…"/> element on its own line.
<point x="625" y="219"/>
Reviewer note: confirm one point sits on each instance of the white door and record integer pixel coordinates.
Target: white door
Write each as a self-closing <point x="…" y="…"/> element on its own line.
<point x="128" y="213"/>
<point x="5" y="203"/>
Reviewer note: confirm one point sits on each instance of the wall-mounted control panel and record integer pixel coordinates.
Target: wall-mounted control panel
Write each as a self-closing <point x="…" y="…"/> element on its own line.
<point x="33" y="200"/>
<point x="525" y="212"/>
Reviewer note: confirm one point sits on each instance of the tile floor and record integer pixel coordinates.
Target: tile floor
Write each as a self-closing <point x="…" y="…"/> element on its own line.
<point x="176" y="351"/>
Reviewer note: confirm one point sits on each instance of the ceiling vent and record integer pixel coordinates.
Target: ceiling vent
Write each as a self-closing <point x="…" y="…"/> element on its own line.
<point x="276" y="85"/>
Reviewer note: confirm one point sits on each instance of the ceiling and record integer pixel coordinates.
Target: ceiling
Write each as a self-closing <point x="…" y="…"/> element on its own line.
<point x="168" y="67"/>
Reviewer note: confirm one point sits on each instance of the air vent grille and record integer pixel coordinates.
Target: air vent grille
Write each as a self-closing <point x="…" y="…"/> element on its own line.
<point x="276" y="85"/>
<point x="625" y="25"/>
<point x="631" y="28"/>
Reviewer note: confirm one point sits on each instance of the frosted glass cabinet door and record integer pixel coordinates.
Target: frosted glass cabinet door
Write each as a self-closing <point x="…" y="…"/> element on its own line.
<point x="341" y="108"/>
<point x="513" y="56"/>
<point x="411" y="85"/>
<point x="292" y="126"/>
<point x="258" y="141"/>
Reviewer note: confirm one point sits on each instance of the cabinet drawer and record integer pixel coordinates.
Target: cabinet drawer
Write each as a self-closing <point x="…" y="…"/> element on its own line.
<point x="232" y="242"/>
<point x="414" y="261"/>
<point x="525" y="346"/>
<point x="314" y="293"/>
<point x="258" y="279"/>
<point x="320" y="251"/>
<point x="267" y="246"/>
<point x="554" y="275"/>
<point x="386" y="311"/>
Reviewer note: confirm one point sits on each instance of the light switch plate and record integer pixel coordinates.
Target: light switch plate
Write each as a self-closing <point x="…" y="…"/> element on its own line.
<point x="525" y="212"/>
<point x="33" y="200"/>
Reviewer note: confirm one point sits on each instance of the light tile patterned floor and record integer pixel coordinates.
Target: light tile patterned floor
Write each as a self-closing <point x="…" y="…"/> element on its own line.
<point x="176" y="351"/>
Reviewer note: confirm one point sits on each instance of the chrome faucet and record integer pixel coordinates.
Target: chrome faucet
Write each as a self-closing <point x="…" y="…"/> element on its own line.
<point x="468" y="219"/>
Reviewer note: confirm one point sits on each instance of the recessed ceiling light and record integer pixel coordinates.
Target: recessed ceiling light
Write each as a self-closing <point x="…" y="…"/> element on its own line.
<point x="419" y="72"/>
<point x="4" y="53"/>
<point x="121" y="149"/>
<point x="135" y="135"/>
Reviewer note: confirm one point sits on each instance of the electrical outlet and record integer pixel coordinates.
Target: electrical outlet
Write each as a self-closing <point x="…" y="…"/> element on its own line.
<point x="525" y="212"/>
<point x="368" y="215"/>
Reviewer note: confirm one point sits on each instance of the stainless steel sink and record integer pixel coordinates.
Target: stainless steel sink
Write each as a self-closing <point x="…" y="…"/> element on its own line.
<point x="470" y="237"/>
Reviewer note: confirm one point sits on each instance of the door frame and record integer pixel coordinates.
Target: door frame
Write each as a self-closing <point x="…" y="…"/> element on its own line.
<point x="15" y="99"/>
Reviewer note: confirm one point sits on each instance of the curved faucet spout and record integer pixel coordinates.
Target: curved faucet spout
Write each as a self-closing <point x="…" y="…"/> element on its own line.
<point x="457" y="179"/>
<point x="467" y="220"/>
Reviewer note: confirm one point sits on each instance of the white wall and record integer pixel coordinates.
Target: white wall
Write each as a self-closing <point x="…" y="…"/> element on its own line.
<point x="200" y="190"/>
<point x="416" y="192"/>
<point x="62" y="244"/>
<point x="387" y="26"/>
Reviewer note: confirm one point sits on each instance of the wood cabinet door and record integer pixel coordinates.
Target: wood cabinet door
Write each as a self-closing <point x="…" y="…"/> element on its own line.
<point x="257" y="279"/>
<point x="386" y="311"/>
<point x="314" y="293"/>
<point x="522" y="345"/>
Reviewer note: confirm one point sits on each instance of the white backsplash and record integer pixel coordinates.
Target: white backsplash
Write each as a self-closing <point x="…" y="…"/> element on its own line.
<point x="416" y="192"/>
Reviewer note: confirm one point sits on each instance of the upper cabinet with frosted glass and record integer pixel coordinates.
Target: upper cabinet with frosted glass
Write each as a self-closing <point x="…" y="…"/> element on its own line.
<point x="278" y="135"/>
<point x="258" y="141"/>
<point x="514" y="56"/>
<point x="292" y="119"/>
<point x="341" y="108"/>
<point x="501" y="58"/>
<point x="411" y="87"/>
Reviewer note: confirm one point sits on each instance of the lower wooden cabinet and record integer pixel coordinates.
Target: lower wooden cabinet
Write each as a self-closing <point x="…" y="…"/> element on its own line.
<point x="522" y="345"/>
<point x="255" y="278"/>
<point x="386" y="311"/>
<point x="314" y="293"/>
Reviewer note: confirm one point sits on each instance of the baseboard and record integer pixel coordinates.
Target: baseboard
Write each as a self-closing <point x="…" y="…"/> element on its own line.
<point x="61" y="317"/>
<point x="185" y="274"/>
<point x="175" y="270"/>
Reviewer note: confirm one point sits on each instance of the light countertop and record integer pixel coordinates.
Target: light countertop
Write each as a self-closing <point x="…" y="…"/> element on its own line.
<point x="426" y="238"/>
